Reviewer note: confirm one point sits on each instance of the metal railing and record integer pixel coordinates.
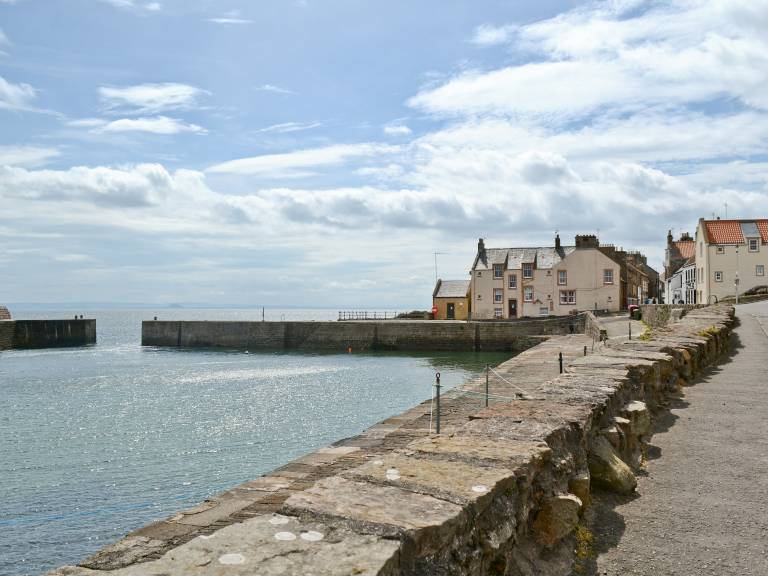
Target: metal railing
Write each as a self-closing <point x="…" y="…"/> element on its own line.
<point x="367" y="315"/>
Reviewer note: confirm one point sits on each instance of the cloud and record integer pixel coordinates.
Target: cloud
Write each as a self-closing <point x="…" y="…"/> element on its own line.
<point x="86" y="123"/>
<point x="26" y="155"/>
<point x="397" y="130"/>
<point x="490" y="35"/>
<point x="231" y="17"/>
<point x="4" y="39"/>
<point x="290" y="127"/>
<point x="144" y="185"/>
<point x="274" y="89"/>
<point x="150" y="98"/>
<point x="16" y="96"/>
<point x="135" y="6"/>
<point x="155" y="125"/>
<point x="295" y="164"/>
<point x="619" y="54"/>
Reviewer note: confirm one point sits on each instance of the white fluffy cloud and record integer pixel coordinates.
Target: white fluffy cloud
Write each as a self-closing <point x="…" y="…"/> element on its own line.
<point x="680" y="52"/>
<point x="150" y="98"/>
<point x="16" y="96"/>
<point x="297" y="164"/>
<point x="154" y="125"/>
<point x="25" y="155"/>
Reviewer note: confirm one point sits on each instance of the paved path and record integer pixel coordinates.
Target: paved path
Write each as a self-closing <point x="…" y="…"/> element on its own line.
<point x="702" y="506"/>
<point x="618" y="326"/>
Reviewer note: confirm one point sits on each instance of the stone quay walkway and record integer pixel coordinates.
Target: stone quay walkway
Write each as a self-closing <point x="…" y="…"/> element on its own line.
<point x="702" y="505"/>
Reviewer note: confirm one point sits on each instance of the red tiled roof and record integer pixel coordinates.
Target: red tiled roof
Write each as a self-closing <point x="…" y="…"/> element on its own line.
<point x="730" y="231"/>
<point x="724" y="231"/>
<point x="687" y="248"/>
<point x="762" y="225"/>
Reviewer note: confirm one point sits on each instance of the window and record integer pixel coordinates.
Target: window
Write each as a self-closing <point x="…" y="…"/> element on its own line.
<point x="562" y="277"/>
<point x="759" y="270"/>
<point x="753" y="245"/>
<point x="608" y="276"/>
<point x="498" y="270"/>
<point x="513" y="281"/>
<point x="528" y="294"/>
<point x="528" y="270"/>
<point x="479" y="296"/>
<point x="498" y="295"/>
<point x="497" y="312"/>
<point x="718" y="276"/>
<point x="543" y="311"/>
<point x="720" y="250"/>
<point x="567" y="296"/>
<point x="701" y="248"/>
<point x="479" y="274"/>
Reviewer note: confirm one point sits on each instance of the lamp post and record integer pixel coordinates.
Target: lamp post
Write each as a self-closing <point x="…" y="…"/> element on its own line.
<point x="736" y="280"/>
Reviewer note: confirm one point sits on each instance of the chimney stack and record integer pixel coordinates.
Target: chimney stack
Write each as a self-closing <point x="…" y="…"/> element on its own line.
<point x="670" y="238"/>
<point x="481" y="249"/>
<point x="557" y="241"/>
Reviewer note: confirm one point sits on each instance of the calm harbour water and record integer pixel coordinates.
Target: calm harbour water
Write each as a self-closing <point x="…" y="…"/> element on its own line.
<point x="98" y="441"/>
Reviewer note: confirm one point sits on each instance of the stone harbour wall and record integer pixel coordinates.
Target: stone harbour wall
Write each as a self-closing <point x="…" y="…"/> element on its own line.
<point x="360" y="335"/>
<point x="656" y="315"/>
<point x="499" y="492"/>
<point x="24" y="334"/>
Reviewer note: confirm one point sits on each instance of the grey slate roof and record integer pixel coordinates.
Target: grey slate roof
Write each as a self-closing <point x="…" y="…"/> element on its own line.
<point x="543" y="257"/>
<point x="452" y="289"/>
<point x="750" y="230"/>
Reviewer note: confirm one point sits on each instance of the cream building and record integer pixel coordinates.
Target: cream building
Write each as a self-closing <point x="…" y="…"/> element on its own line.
<point x="558" y="280"/>
<point x="731" y="256"/>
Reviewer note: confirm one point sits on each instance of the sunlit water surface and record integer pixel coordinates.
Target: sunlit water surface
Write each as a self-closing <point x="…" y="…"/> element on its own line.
<point x="98" y="441"/>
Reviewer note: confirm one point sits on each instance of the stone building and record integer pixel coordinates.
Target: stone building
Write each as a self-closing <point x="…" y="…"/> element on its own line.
<point x="451" y="298"/>
<point x="638" y="281"/>
<point x="731" y="256"/>
<point x="542" y="281"/>
<point x="678" y="253"/>
<point x="4" y="313"/>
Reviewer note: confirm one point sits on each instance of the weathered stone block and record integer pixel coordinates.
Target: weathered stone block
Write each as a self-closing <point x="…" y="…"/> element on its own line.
<point x="557" y="518"/>
<point x="608" y="470"/>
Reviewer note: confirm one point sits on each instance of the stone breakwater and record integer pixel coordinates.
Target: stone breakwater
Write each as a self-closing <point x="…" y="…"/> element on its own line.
<point x="500" y="491"/>
<point x="23" y="334"/>
<point x="404" y="335"/>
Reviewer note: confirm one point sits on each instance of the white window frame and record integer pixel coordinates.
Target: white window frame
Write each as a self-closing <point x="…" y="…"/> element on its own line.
<point x="606" y="272"/>
<point x="754" y="242"/>
<point x="567" y="297"/>
<point x="498" y="295"/>
<point x="513" y="281"/>
<point x="527" y="271"/>
<point x="562" y="277"/>
<point x="526" y="291"/>
<point x="720" y="250"/>
<point x="543" y="311"/>
<point x="760" y="270"/>
<point x="498" y="271"/>
<point x="498" y="312"/>
<point x="718" y="276"/>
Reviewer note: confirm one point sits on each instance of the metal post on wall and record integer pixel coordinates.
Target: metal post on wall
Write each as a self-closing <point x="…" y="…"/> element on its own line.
<point x="487" y="369"/>
<point x="585" y="349"/>
<point x="437" y="402"/>
<point x="560" y="360"/>
<point x="630" y="329"/>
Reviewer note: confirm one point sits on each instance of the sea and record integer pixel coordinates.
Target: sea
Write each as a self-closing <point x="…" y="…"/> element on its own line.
<point x="101" y="440"/>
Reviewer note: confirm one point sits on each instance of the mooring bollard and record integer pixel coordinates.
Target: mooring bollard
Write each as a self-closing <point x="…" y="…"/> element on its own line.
<point x="437" y="402"/>
<point x="560" y="360"/>
<point x="630" y="329"/>
<point x="487" y="369"/>
<point x="585" y="350"/>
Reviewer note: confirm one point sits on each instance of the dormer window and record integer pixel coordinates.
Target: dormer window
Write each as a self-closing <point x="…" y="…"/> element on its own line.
<point x="498" y="271"/>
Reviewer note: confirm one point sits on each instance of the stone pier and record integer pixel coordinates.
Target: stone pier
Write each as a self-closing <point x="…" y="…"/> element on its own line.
<point x="501" y="491"/>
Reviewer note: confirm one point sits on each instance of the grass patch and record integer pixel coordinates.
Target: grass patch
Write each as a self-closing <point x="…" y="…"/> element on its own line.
<point x="711" y="331"/>
<point x="585" y="549"/>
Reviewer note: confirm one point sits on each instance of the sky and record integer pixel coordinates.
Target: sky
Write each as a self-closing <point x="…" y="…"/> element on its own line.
<point x="318" y="153"/>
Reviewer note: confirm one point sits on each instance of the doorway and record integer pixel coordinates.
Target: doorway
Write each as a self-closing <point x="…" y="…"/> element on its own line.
<point x="513" y="308"/>
<point x="451" y="311"/>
